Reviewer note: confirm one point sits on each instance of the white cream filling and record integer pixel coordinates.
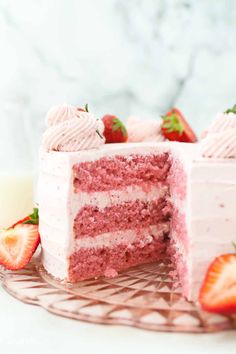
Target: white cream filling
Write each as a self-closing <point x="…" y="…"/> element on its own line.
<point x="127" y="237"/>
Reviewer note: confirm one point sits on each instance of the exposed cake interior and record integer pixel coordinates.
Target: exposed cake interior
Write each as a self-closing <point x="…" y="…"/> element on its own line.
<point x="178" y="247"/>
<point x="137" y="219"/>
<point x="134" y="215"/>
<point x="108" y="174"/>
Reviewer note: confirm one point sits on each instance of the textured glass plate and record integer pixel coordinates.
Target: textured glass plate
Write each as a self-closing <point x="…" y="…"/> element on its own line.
<point x="145" y="296"/>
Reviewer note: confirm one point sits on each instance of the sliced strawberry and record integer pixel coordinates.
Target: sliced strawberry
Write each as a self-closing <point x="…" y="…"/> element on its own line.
<point x="175" y="127"/>
<point x="115" y="131"/>
<point x="218" y="292"/>
<point x="17" y="245"/>
<point x="22" y="221"/>
<point x="30" y="219"/>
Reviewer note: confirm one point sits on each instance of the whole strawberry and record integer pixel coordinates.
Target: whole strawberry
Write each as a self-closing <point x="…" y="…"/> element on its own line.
<point x="175" y="127"/>
<point x="115" y="131"/>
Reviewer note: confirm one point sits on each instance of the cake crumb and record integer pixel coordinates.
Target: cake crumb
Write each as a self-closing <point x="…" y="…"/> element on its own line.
<point x="110" y="273"/>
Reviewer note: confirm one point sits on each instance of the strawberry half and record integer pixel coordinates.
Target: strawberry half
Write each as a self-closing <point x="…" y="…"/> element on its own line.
<point x="17" y="245"/>
<point x="218" y="292"/>
<point x="115" y="131"/>
<point x="175" y="127"/>
<point x="19" y="242"/>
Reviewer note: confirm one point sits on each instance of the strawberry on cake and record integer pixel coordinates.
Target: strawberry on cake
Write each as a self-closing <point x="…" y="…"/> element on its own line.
<point x="107" y="207"/>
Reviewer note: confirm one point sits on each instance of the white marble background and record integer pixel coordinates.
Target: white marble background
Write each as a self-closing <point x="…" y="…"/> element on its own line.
<point x="125" y="57"/>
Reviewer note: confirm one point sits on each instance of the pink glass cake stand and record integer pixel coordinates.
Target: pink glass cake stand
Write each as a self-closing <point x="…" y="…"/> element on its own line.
<point x="146" y="296"/>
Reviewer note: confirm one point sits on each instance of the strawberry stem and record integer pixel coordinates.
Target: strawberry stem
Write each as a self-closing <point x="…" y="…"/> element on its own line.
<point x="86" y="108"/>
<point x="33" y="218"/>
<point x="99" y="134"/>
<point x="231" y="110"/>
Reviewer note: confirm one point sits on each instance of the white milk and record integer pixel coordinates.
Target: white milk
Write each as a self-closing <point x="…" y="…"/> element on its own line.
<point x="16" y="197"/>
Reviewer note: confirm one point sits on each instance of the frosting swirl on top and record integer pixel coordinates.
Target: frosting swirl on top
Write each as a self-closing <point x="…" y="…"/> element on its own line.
<point x="72" y="130"/>
<point x="59" y="114"/>
<point x="219" y="140"/>
<point x="140" y="130"/>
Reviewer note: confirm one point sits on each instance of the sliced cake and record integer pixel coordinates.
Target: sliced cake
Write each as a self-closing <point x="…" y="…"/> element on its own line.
<point x="104" y="208"/>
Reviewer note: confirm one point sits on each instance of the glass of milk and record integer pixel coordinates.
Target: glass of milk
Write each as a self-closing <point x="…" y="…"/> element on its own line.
<point x="16" y="164"/>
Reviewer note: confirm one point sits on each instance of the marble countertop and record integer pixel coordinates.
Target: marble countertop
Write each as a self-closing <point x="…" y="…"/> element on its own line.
<point x="122" y="57"/>
<point x="28" y="329"/>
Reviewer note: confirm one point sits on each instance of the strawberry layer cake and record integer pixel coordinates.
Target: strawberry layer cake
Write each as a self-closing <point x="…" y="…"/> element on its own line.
<point x="107" y="207"/>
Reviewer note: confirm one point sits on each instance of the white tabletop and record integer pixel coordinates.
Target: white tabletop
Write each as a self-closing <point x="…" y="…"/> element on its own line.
<point x="31" y="330"/>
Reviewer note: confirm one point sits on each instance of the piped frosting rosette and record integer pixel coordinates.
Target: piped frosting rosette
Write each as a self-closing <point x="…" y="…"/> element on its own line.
<point x="70" y="129"/>
<point x="220" y="139"/>
<point x="141" y="130"/>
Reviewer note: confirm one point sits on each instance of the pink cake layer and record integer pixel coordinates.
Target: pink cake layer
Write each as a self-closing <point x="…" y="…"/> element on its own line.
<point x="178" y="227"/>
<point x="178" y="259"/>
<point x="178" y="247"/>
<point x="92" y="221"/>
<point x="177" y="180"/>
<point x="114" y="173"/>
<point x="93" y="262"/>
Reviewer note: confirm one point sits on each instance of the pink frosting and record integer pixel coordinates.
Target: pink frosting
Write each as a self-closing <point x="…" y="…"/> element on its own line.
<point x="60" y="113"/>
<point x="72" y="130"/>
<point x="219" y="141"/>
<point x="140" y="130"/>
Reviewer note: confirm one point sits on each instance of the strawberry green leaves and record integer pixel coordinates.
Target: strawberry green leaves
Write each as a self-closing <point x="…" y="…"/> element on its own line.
<point x="172" y="124"/>
<point x="175" y="127"/>
<point x="231" y="110"/>
<point x="117" y="124"/>
<point x="33" y="218"/>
